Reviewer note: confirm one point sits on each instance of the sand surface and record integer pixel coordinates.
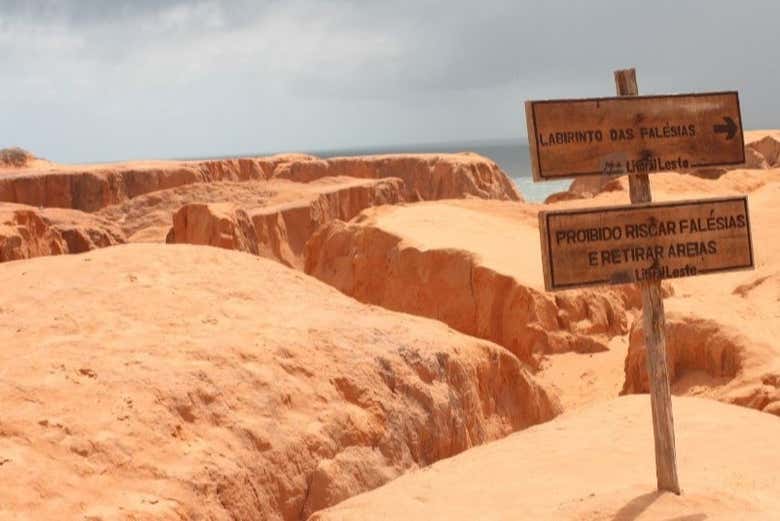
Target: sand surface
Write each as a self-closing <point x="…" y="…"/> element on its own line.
<point x="485" y="256"/>
<point x="596" y="464"/>
<point x="426" y="240"/>
<point x="152" y="381"/>
<point x="489" y="228"/>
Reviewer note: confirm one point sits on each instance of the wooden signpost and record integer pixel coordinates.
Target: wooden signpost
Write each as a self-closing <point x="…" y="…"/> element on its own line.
<point x="628" y="135"/>
<point x="642" y="243"/>
<point x="622" y="244"/>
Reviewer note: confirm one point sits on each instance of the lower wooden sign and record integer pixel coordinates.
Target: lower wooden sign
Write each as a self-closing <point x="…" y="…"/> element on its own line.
<point x="624" y="244"/>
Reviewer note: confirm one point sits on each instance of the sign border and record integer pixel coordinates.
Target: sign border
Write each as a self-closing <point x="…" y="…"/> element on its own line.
<point x="544" y="231"/>
<point x="530" y="119"/>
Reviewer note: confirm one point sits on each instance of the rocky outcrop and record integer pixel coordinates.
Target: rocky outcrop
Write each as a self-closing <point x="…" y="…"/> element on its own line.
<point x="697" y="346"/>
<point x="181" y="382"/>
<point x="33" y="232"/>
<point x="283" y="230"/>
<point x="280" y="231"/>
<point x="90" y="188"/>
<point x="762" y="149"/>
<point x="148" y="217"/>
<point x="588" y="186"/>
<point x="558" y="197"/>
<point x="287" y="196"/>
<point x="755" y="160"/>
<point x="218" y="224"/>
<point x="723" y="329"/>
<point x="426" y="176"/>
<point x="692" y="344"/>
<point x="378" y="262"/>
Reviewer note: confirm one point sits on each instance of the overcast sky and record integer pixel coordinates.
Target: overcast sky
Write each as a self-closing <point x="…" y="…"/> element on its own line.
<point x="88" y="80"/>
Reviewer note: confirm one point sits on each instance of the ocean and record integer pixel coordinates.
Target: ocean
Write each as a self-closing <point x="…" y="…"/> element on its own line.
<point x="511" y="156"/>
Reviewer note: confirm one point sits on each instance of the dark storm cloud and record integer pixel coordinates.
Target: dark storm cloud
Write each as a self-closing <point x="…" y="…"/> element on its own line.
<point x="465" y="44"/>
<point x="84" y="12"/>
<point x="288" y="73"/>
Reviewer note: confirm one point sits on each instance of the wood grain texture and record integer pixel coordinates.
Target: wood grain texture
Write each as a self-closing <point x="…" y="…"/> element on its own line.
<point x="644" y="242"/>
<point x="634" y="134"/>
<point x="654" y="322"/>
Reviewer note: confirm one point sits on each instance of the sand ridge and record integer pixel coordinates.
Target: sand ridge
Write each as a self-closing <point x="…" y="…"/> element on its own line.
<point x="169" y="381"/>
<point x="172" y="381"/>
<point x="595" y="464"/>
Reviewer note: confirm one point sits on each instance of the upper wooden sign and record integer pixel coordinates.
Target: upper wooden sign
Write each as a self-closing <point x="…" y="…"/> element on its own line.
<point x="634" y="134"/>
<point x="621" y="244"/>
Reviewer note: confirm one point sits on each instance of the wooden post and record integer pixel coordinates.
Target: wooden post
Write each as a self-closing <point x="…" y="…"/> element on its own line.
<point x="654" y="327"/>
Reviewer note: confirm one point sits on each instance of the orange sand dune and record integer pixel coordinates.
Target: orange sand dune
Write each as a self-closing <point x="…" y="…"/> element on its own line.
<point x="596" y="464"/>
<point x="151" y="381"/>
<point x="484" y="257"/>
<point x="738" y="360"/>
<point x="154" y="381"/>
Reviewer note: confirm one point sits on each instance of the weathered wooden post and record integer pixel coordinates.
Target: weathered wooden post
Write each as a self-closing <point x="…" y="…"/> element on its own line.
<point x="654" y="322"/>
<point x="644" y="242"/>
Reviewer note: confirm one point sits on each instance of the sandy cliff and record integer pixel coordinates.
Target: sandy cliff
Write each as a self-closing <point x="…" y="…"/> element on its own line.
<point x="91" y="187"/>
<point x="26" y="232"/>
<point x="472" y="264"/>
<point x="763" y="148"/>
<point x="587" y="344"/>
<point x="724" y="328"/>
<point x="426" y="176"/>
<point x="288" y="196"/>
<point x="278" y="226"/>
<point x="170" y="381"/>
<point x="182" y="382"/>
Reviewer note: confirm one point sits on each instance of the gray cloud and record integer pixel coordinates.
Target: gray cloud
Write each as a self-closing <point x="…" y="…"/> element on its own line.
<point x="93" y="80"/>
<point x="87" y="12"/>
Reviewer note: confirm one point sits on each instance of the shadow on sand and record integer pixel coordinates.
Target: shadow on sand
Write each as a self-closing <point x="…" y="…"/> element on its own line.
<point x="634" y="508"/>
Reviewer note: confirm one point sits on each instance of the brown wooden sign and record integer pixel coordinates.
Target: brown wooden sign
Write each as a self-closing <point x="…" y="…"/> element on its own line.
<point x="647" y="242"/>
<point x="634" y="134"/>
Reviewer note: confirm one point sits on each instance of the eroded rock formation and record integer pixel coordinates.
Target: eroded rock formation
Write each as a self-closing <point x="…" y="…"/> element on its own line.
<point x="90" y="188"/>
<point x="280" y="228"/>
<point x="763" y="149"/>
<point x="708" y="358"/>
<point x="723" y="328"/>
<point x="173" y="381"/>
<point x="32" y="232"/>
<point x="453" y="261"/>
<point x="223" y="225"/>
<point x="426" y="176"/>
<point x="287" y="196"/>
